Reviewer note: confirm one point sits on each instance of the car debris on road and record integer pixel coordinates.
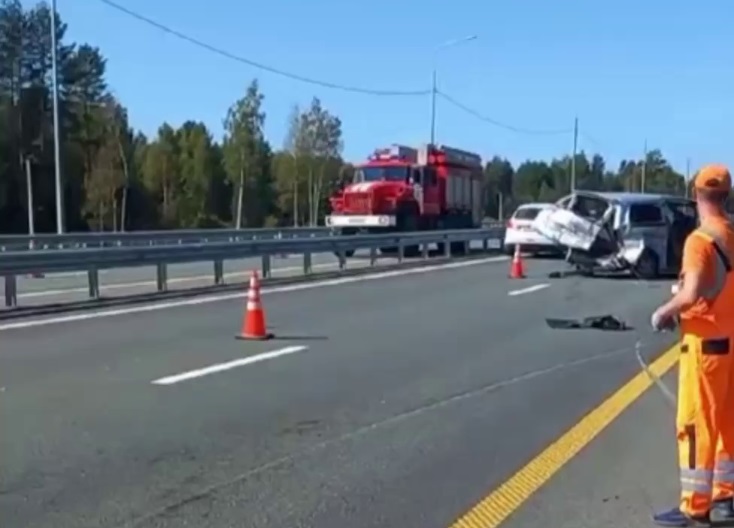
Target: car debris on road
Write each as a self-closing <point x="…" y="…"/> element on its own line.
<point x="599" y="322"/>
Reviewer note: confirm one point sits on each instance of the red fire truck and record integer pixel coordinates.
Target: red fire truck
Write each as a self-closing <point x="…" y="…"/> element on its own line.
<point x="402" y="188"/>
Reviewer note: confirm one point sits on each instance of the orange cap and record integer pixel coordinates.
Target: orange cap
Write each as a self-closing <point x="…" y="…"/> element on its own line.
<point x="715" y="177"/>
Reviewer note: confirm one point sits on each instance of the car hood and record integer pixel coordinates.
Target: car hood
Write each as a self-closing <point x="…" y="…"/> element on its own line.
<point x="566" y="228"/>
<point x="590" y="241"/>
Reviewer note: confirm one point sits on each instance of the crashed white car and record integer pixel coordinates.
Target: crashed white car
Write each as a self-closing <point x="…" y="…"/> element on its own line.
<point x="641" y="233"/>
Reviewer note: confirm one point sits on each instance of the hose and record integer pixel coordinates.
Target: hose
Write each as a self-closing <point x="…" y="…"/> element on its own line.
<point x="667" y="393"/>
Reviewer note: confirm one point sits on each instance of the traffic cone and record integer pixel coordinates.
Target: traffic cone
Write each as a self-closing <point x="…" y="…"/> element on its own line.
<point x="253" y="323"/>
<point x="517" y="269"/>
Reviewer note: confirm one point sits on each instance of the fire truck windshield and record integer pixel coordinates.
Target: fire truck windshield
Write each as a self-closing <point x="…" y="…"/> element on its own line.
<point x="385" y="173"/>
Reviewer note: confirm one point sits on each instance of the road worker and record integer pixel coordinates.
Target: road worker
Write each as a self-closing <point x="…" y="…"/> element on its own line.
<point x="704" y="308"/>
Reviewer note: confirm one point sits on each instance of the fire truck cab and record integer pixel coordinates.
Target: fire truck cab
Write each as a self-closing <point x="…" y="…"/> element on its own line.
<point x="401" y="188"/>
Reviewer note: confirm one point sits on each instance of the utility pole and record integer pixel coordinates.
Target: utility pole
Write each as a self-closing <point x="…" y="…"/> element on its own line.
<point x="434" y="86"/>
<point x="57" y="138"/>
<point x="433" y="105"/>
<point x="29" y="196"/>
<point x="573" y="156"/>
<point x="644" y="168"/>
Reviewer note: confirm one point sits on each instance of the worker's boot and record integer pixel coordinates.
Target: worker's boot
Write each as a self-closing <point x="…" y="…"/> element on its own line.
<point x="675" y="517"/>
<point x="723" y="509"/>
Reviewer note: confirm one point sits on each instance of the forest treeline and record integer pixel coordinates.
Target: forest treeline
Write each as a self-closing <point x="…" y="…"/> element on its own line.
<point x="114" y="177"/>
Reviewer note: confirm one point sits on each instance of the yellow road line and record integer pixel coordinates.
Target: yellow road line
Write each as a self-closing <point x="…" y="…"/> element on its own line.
<point x="491" y="511"/>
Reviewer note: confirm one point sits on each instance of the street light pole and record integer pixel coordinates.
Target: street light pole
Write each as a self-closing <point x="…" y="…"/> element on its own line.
<point x="434" y="88"/>
<point x="573" y="155"/>
<point x="644" y="169"/>
<point x="57" y="139"/>
<point x="433" y="106"/>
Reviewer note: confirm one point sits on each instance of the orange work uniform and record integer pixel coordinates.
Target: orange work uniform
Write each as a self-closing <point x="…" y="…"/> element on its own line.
<point x="705" y="417"/>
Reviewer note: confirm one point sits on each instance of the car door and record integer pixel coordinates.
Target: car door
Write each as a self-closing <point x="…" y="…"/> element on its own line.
<point x="683" y="220"/>
<point x="647" y="223"/>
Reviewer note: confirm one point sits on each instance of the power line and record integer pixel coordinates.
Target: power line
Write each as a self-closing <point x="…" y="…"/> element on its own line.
<point x="591" y="140"/>
<point x="499" y="124"/>
<point x="258" y="65"/>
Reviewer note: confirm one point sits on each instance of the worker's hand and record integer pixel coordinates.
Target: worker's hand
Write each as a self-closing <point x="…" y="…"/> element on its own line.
<point x="661" y="320"/>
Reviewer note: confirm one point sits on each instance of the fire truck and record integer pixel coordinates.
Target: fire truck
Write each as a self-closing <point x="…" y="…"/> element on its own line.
<point x="402" y="188"/>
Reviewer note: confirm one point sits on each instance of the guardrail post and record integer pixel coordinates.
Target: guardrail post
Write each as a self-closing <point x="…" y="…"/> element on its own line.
<point x="218" y="272"/>
<point x="401" y="251"/>
<point x="11" y="291"/>
<point x="266" y="268"/>
<point x="485" y="245"/>
<point x="424" y="251"/>
<point x="373" y="256"/>
<point x="342" y="257"/>
<point x="93" y="280"/>
<point x="162" y="277"/>
<point x="307" y="268"/>
<point x="447" y="248"/>
<point x="467" y="247"/>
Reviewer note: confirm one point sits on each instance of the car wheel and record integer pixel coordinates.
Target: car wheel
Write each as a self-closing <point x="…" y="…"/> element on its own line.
<point x="646" y="266"/>
<point x="509" y="249"/>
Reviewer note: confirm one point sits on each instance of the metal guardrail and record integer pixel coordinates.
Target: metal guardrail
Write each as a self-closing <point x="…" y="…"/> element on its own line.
<point x="151" y="238"/>
<point x="92" y="260"/>
<point x="50" y="241"/>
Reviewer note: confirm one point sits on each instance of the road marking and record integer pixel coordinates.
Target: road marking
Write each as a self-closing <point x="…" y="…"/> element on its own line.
<point x="508" y="497"/>
<point x="175" y="280"/>
<point x="220" y="367"/>
<point x="227" y="297"/>
<point x="529" y="289"/>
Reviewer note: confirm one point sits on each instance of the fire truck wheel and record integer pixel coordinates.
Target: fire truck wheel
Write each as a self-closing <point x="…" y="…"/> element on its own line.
<point x="458" y="248"/>
<point x="647" y="267"/>
<point x="408" y="222"/>
<point x="349" y="253"/>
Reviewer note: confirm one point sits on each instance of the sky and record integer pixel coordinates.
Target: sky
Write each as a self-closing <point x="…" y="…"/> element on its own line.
<point x="632" y="71"/>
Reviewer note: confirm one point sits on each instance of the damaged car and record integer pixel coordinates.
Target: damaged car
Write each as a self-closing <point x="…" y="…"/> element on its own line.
<point x="620" y="232"/>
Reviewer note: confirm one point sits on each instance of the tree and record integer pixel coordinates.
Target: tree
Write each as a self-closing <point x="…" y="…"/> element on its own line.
<point x="161" y="173"/>
<point x="114" y="177"/>
<point x="286" y="186"/>
<point x="286" y="169"/>
<point x="320" y="140"/>
<point x="498" y="175"/>
<point x="244" y="149"/>
<point x="108" y="179"/>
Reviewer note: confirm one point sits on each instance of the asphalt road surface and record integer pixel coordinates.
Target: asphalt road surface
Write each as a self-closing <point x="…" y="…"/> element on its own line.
<point x="398" y="400"/>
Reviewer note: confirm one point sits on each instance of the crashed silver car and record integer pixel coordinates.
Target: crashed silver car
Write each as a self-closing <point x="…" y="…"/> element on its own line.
<point x="614" y="232"/>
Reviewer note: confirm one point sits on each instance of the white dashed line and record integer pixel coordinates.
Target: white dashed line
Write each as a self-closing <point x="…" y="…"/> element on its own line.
<point x="220" y="367"/>
<point x="529" y="289"/>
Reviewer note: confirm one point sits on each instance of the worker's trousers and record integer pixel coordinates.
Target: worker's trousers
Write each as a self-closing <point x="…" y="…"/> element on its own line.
<point x="705" y="422"/>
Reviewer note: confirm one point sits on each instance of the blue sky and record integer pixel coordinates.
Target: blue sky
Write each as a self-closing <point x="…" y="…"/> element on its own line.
<point x="629" y="69"/>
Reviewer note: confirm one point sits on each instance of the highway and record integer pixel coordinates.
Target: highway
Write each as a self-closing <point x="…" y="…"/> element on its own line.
<point x="402" y="399"/>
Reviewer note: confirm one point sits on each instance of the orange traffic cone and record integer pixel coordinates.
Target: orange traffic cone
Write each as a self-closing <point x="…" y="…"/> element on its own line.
<point x="253" y="323"/>
<point x="517" y="269"/>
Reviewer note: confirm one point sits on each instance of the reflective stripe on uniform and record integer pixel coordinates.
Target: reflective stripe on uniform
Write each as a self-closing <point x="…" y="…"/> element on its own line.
<point x="722" y="265"/>
<point x="696" y="480"/>
<point x="724" y="471"/>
